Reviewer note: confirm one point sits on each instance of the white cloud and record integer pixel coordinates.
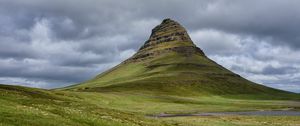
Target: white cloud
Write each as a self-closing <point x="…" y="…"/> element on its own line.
<point x="23" y="82"/>
<point x="40" y="31"/>
<point x="217" y="42"/>
<point x="126" y="54"/>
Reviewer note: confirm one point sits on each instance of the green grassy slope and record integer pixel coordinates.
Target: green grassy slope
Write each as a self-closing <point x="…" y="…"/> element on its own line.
<point x="35" y="107"/>
<point x="175" y="74"/>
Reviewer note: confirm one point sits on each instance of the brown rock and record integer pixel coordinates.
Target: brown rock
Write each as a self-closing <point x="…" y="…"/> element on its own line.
<point x="168" y="32"/>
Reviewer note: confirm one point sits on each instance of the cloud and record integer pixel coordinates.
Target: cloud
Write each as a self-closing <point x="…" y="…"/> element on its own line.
<point x="55" y="43"/>
<point x="273" y="19"/>
<point x="51" y="62"/>
<point x="216" y="42"/>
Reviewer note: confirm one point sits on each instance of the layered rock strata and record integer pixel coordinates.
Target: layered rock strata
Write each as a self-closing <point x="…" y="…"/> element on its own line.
<point x="167" y="37"/>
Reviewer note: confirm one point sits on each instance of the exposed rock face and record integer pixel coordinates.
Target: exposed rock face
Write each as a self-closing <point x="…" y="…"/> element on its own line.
<point x="167" y="37"/>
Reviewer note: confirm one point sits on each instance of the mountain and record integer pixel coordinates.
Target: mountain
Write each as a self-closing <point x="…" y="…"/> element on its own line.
<point x="169" y="62"/>
<point x="168" y="75"/>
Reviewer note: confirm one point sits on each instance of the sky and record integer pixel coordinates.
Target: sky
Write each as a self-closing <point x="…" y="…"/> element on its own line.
<point x="55" y="43"/>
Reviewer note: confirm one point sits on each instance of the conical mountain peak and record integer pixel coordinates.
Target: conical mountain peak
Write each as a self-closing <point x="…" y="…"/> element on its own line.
<point x="167" y="37"/>
<point x="169" y="62"/>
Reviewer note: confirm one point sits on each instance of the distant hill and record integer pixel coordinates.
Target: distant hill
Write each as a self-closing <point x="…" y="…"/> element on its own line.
<point x="169" y="62"/>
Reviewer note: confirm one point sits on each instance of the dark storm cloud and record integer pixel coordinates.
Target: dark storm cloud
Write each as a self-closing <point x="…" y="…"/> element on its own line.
<point x="271" y="18"/>
<point x="274" y="19"/>
<point x="51" y="43"/>
<point x="280" y="70"/>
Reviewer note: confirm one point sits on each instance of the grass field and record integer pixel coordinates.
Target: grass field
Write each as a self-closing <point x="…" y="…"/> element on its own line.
<point x="35" y="107"/>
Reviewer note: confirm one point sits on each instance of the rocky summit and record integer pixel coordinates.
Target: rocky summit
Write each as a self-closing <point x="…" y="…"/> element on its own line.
<point x="169" y="62"/>
<point x="169" y="36"/>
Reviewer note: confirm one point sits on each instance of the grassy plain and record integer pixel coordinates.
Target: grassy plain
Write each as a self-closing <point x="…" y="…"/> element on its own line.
<point x="35" y="107"/>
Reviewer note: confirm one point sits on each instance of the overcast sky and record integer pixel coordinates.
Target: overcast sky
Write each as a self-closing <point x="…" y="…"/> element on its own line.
<point x="54" y="43"/>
